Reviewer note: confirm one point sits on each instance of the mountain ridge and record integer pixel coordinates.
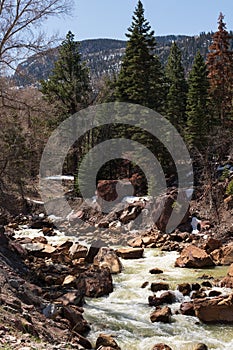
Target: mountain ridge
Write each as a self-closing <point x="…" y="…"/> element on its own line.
<point x="103" y="56"/>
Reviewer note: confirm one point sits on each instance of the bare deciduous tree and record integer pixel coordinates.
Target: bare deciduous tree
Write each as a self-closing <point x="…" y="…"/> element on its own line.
<point x="20" y="23"/>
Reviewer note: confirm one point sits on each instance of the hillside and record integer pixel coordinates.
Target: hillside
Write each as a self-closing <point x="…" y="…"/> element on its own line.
<point x="103" y="56"/>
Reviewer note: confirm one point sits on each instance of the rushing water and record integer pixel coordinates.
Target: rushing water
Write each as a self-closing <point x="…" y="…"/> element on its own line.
<point x="125" y="313"/>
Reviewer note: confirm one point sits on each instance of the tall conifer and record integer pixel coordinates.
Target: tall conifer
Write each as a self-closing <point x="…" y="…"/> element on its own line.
<point x="177" y="88"/>
<point x="69" y="83"/>
<point x="220" y="67"/>
<point x="141" y="77"/>
<point x="197" y="103"/>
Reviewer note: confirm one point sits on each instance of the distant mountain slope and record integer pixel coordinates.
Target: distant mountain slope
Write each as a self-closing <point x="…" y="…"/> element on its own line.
<point x="103" y="56"/>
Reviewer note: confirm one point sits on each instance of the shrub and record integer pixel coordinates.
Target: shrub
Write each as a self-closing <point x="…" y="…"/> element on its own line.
<point x="229" y="189"/>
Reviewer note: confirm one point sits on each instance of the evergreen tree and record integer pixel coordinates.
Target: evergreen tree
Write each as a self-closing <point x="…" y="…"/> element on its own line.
<point x="69" y="87"/>
<point x="220" y="67"/>
<point x="197" y="103"/>
<point x="141" y="77"/>
<point x="69" y="83"/>
<point x="176" y="87"/>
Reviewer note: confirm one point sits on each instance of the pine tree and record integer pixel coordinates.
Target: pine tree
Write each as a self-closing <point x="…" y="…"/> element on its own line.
<point x="141" y="77"/>
<point x="69" y="87"/>
<point x="197" y="103"/>
<point x="177" y="88"/>
<point x="69" y="83"/>
<point x="220" y="67"/>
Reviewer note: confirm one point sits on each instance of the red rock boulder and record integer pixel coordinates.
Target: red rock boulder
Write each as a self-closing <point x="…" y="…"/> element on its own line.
<point x="195" y="257"/>
<point x="215" y="310"/>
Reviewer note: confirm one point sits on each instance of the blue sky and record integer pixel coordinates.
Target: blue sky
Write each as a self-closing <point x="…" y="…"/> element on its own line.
<point x="111" y="18"/>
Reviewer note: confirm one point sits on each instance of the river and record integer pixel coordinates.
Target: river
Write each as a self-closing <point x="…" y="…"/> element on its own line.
<point x="125" y="313"/>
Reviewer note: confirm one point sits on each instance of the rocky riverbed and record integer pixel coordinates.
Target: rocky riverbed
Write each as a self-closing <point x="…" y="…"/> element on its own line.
<point x="111" y="283"/>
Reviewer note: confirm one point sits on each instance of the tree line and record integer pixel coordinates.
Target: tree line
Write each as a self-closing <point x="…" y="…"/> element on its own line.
<point x="199" y="105"/>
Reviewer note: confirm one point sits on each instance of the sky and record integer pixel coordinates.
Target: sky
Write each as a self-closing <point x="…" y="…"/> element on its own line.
<point x="93" y="19"/>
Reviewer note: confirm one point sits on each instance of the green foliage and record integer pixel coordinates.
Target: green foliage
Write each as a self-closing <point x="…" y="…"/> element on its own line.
<point x="141" y="77"/>
<point x="197" y="103"/>
<point x="229" y="190"/>
<point x="69" y="83"/>
<point x="225" y="174"/>
<point x="176" y="88"/>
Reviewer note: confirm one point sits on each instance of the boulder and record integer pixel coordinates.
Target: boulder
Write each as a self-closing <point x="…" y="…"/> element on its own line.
<point x="72" y="298"/>
<point x="187" y="309"/>
<point x="161" y="315"/>
<point x="165" y="298"/>
<point x="96" y="281"/>
<point x="77" y="251"/>
<point x="148" y="241"/>
<point x="192" y="256"/>
<point x="156" y="286"/>
<point x="135" y="242"/>
<point x="74" y="315"/>
<point x="199" y="294"/>
<point x="155" y="271"/>
<point x="94" y="249"/>
<point x="131" y="212"/>
<point x="84" y="342"/>
<point x="130" y="253"/>
<point x="107" y="257"/>
<point x="110" y="190"/>
<point x="184" y="288"/>
<point x="228" y="280"/>
<point x="215" y="310"/>
<point x="145" y="284"/>
<point x="200" y="346"/>
<point x="161" y="346"/>
<point x="224" y="255"/>
<point x="69" y="281"/>
<point x="165" y="205"/>
<point x="214" y="293"/>
<point x="40" y="250"/>
<point x="212" y="244"/>
<point x="106" y="341"/>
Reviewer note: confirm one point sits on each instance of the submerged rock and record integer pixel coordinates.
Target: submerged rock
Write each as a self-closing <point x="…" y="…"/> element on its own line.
<point x="161" y="315"/>
<point x="155" y="271"/>
<point x="165" y="298"/>
<point x="200" y="346"/>
<point x="156" y="286"/>
<point x="105" y="341"/>
<point x="161" y="346"/>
